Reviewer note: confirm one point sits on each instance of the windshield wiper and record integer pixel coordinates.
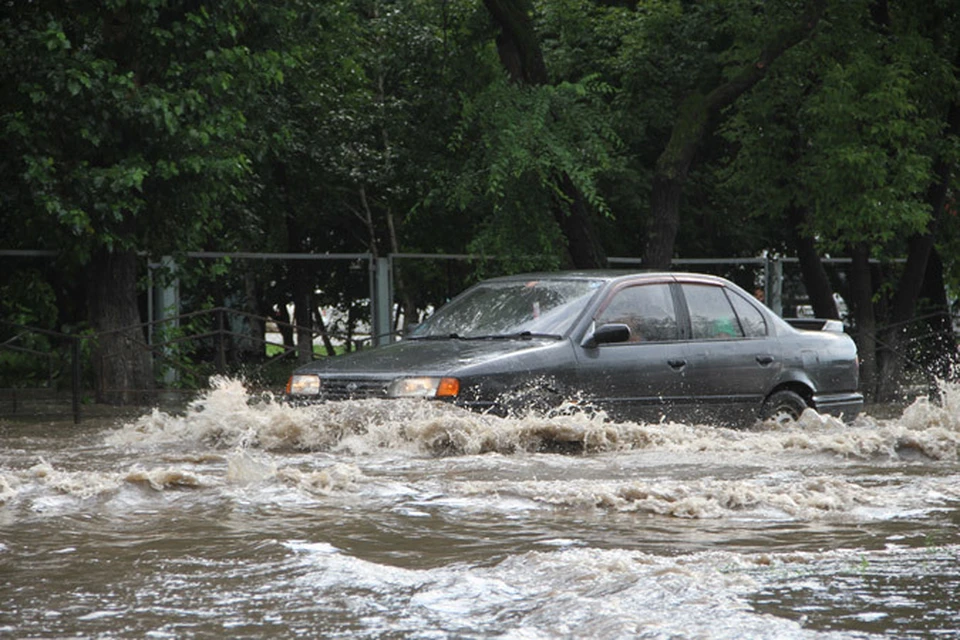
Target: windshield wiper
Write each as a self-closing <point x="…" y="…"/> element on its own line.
<point x="520" y="335"/>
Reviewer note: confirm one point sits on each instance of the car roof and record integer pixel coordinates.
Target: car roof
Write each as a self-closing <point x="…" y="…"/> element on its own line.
<point x="611" y="275"/>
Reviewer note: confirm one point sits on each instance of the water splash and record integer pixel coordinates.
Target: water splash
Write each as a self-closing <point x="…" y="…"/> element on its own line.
<point x="9" y="488"/>
<point x="775" y="496"/>
<point x="227" y="417"/>
<point x="566" y="593"/>
<point x="160" y="479"/>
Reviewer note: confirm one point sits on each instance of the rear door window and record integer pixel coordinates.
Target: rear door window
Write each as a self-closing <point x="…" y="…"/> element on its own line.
<point x="751" y="320"/>
<point x="711" y="315"/>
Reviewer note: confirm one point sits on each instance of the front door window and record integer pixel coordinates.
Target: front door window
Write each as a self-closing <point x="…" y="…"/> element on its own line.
<point x="648" y="311"/>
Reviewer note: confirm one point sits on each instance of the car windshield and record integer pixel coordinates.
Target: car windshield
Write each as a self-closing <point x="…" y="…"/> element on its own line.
<point x="510" y="309"/>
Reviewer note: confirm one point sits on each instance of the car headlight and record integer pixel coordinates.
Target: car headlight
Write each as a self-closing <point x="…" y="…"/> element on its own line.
<point x="424" y="387"/>
<point x="303" y="384"/>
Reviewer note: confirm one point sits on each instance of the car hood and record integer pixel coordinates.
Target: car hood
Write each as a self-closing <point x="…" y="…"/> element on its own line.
<point x="423" y="357"/>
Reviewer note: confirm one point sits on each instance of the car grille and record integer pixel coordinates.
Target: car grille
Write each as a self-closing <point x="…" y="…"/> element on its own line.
<point x="340" y="389"/>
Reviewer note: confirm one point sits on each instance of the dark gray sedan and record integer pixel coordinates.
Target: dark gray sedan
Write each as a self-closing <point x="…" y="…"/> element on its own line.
<point x="639" y="346"/>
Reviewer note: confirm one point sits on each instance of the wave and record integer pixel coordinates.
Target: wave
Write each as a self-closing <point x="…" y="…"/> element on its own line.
<point x="570" y="592"/>
<point x="775" y="496"/>
<point x="226" y="416"/>
<point x="45" y="488"/>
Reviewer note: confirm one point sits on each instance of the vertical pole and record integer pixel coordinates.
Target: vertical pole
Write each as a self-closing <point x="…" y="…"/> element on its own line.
<point x="383" y="332"/>
<point x="776" y="287"/>
<point x="374" y="312"/>
<point x="75" y="382"/>
<point x="394" y="313"/>
<point x="165" y="304"/>
<point x="151" y="313"/>
<point x="767" y="275"/>
<point x="221" y="355"/>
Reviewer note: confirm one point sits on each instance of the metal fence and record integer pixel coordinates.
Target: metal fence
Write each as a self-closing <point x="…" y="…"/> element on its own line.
<point x="187" y="348"/>
<point x="201" y="344"/>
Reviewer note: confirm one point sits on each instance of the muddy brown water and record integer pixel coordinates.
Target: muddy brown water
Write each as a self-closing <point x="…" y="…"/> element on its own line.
<point x="244" y="517"/>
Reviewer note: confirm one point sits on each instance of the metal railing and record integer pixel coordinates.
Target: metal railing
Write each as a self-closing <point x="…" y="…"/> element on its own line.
<point x="67" y="364"/>
<point x="64" y="362"/>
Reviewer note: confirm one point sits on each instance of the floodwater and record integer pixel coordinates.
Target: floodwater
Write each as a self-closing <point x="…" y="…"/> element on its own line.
<point x="247" y="518"/>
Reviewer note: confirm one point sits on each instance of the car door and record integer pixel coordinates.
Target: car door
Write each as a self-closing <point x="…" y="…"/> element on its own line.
<point x="733" y="361"/>
<point x="641" y="378"/>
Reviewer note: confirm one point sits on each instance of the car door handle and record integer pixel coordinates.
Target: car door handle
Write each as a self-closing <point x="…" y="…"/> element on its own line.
<point x="677" y="363"/>
<point x="764" y="360"/>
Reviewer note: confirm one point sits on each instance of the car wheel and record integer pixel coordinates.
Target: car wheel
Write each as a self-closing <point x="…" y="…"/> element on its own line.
<point x="783" y="406"/>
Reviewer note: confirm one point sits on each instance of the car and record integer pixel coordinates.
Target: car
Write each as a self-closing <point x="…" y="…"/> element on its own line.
<point x="639" y="346"/>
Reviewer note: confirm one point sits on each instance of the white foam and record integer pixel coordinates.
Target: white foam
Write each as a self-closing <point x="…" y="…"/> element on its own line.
<point x="774" y="496"/>
<point x="226" y="416"/>
<point x="334" y="479"/>
<point x="568" y="592"/>
<point x="161" y="478"/>
<point x="76" y="484"/>
<point x="9" y="488"/>
<point x="245" y="468"/>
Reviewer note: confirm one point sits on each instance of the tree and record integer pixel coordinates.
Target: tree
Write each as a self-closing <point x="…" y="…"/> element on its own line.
<point x="124" y="124"/>
<point x="520" y="53"/>
<point x="700" y="108"/>
<point x="845" y="142"/>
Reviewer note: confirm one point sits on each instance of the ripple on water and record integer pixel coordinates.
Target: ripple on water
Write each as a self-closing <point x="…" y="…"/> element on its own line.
<point x="365" y="519"/>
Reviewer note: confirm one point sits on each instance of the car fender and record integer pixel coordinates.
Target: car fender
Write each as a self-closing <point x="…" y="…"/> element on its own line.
<point x="549" y="367"/>
<point x="790" y="378"/>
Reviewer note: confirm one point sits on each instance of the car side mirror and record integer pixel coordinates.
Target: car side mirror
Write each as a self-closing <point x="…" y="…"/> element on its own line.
<point x="607" y="334"/>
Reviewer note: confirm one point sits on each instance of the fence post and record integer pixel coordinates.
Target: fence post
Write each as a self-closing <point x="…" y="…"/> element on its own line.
<point x="776" y="286"/>
<point x="164" y="305"/>
<point x="382" y="308"/>
<point x="75" y="382"/>
<point x="221" y="357"/>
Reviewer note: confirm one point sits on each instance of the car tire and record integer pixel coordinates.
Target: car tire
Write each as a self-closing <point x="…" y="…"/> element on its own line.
<point x="783" y="406"/>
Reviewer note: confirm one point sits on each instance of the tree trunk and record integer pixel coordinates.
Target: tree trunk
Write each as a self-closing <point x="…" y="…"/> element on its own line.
<point x="694" y="121"/>
<point x="517" y="44"/>
<point x="521" y="56"/>
<point x="284" y="325"/>
<point x="577" y="224"/>
<point x="324" y="334"/>
<point x="861" y="294"/>
<point x="664" y="220"/>
<point x="303" y="311"/>
<point x="122" y="363"/>
<point x="940" y="356"/>
<point x="301" y="274"/>
<point x="815" y="278"/>
<point x="914" y="275"/>
<point x="896" y="352"/>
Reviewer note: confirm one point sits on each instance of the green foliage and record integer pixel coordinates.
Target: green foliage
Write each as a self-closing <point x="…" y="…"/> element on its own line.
<point x="518" y="144"/>
<point x="28" y="299"/>
<point x="382" y="126"/>
<point x="870" y="157"/>
<point x="847" y="128"/>
<point x="124" y="122"/>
